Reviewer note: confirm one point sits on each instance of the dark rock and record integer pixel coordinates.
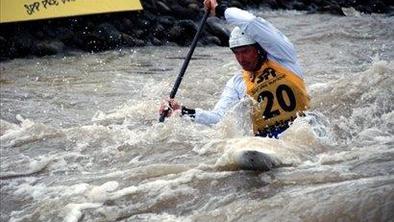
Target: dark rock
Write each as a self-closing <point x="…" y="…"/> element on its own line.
<point x="212" y="40"/>
<point x="194" y="7"/>
<point x="156" y="42"/>
<point x="271" y="4"/>
<point x="216" y="27"/>
<point x="89" y="42"/>
<point x="235" y="3"/>
<point x="151" y="18"/>
<point x="3" y="42"/>
<point x="48" y="47"/>
<point x="183" y="13"/>
<point x="161" y="22"/>
<point x="39" y="34"/>
<point x="139" y="42"/>
<point x="149" y="5"/>
<point x="332" y="8"/>
<point x="127" y="25"/>
<point x="373" y="7"/>
<point x="163" y="8"/>
<point x="159" y="31"/>
<point x="312" y="8"/>
<point x="23" y="43"/>
<point x="108" y="34"/>
<point x="285" y="4"/>
<point x="144" y="24"/>
<point x="299" y="6"/>
<point x="139" y="33"/>
<point x="64" y="34"/>
<point x="166" y="20"/>
<point x="183" y="3"/>
<point x="128" y="40"/>
<point x="182" y="32"/>
<point x="4" y="49"/>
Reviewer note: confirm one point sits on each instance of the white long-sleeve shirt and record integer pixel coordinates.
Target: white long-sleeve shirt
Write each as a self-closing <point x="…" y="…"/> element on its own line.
<point x="278" y="48"/>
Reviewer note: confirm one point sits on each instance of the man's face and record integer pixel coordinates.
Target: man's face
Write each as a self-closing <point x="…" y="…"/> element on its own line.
<point x="248" y="57"/>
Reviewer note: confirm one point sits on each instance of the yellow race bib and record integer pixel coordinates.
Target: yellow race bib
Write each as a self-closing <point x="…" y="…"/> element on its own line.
<point x="280" y="95"/>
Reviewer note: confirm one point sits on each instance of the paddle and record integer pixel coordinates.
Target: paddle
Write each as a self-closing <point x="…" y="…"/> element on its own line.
<point x="185" y="64"/>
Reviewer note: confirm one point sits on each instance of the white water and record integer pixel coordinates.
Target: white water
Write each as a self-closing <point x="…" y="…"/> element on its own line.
<point x="80" y="140"/>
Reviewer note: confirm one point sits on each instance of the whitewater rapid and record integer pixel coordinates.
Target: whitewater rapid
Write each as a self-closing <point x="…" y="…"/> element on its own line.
<point x="80" y="138"/>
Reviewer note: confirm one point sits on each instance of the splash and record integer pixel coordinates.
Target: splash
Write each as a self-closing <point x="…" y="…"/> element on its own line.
<point x="359" y="102"/>
<point x="26" y="132"/>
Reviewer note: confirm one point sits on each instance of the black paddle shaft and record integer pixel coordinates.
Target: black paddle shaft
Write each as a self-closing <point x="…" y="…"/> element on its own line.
<point x="185" y="64"/>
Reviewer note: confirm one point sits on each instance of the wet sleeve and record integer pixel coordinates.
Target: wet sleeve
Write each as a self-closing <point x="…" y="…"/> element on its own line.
<point x="230" y="96"/>
<point x="270" y="38"/>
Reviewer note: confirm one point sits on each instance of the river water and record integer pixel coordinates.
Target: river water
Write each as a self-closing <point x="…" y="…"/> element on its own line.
<point x="80" y="138"/>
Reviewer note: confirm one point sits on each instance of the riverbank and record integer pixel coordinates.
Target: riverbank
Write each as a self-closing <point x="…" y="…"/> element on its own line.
<point x="164" y="22"/>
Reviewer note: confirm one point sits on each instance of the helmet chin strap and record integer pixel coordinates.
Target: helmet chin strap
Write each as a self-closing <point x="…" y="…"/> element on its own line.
<point x="262" y="52"/>
<point x="261" y="61"/>
<point x="262" y="58"/>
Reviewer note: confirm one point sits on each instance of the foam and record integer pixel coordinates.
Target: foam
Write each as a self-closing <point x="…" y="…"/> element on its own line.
<point x="74" y="211"/>
<point x="34" y="167"/>
<point x="100" y="193"/>
<point x="6" y="126"/>
<point x="27" y="132"/>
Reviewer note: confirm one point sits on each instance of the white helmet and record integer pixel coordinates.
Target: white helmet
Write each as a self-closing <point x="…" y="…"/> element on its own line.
<point x="239" y="38"/>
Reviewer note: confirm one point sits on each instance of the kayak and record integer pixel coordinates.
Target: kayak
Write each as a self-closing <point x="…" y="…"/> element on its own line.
<point x="253" y="160"/>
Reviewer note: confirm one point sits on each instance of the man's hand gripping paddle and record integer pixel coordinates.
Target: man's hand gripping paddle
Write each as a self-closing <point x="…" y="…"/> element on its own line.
<point x="185" y="64"/>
